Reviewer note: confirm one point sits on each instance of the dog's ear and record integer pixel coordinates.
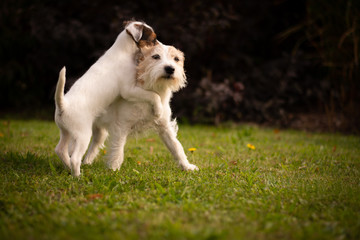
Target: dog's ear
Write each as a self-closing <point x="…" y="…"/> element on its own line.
<point x="135" y="30"/>
<point x="148" y="38"/>
<point x="141" y="33"/>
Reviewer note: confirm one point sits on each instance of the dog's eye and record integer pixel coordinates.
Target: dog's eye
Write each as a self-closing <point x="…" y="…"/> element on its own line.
<point x="176" y="59"/>
<point x="156" y="56"/>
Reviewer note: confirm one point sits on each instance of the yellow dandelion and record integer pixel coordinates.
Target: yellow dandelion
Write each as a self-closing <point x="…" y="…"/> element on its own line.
<point x="192" y="149"/>
<point x="250" y="146"/>
<point x="104" y="151"/>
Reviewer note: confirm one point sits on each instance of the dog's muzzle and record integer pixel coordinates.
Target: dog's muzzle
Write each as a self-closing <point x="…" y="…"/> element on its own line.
<point x="169" y="70"/>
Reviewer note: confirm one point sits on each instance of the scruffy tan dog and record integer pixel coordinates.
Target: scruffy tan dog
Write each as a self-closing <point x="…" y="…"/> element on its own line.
<point x="113" y="75"/>
<point x="160" y="70"/>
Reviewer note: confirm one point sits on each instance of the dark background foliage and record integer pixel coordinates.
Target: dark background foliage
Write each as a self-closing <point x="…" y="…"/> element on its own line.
<point x="282" y="62"/>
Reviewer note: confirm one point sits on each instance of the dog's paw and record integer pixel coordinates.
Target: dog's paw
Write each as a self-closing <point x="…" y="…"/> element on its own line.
<point x="75" y="173"/>
<point x="190" y="167"/>
<point x="114" y="166"/>
<point x="87" y="161"/>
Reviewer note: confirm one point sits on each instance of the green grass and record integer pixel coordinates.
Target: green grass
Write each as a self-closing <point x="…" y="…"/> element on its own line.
<point x="294" y="185"/>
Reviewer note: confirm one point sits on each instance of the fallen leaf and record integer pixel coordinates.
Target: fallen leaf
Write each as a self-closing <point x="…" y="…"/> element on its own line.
<point x="94" y="196"/>
<point x="334" y="148"/>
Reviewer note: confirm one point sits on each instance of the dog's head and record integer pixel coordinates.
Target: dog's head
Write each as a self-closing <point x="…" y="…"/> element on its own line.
<point x="141" y="33"/>
<point x="161" y="67"/>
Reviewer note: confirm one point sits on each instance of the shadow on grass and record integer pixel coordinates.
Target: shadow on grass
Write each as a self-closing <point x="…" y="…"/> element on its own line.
<point x="29" y="164"/>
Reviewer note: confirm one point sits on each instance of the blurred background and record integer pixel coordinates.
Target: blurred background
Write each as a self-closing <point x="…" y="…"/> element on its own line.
<point x="272" y="62"/>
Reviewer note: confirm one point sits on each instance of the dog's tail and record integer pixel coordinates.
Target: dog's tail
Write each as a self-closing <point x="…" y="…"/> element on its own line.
<point x="59" y="93"/>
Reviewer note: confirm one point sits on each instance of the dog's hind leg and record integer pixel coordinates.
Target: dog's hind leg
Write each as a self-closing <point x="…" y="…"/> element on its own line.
<point x="80" y="146"/>
<point x="99" y="136"/>
<point x="71" y="146"/>
<point x="62" y="148"/>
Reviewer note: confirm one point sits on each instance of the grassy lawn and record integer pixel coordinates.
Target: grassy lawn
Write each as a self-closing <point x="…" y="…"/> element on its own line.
<point x="293" y="185"/>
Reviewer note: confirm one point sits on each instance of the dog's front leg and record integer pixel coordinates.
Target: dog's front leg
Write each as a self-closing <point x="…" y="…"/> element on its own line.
<point x="168" y="136"/>
<point x="116" y="149"/>
<point x="138" y="94"/>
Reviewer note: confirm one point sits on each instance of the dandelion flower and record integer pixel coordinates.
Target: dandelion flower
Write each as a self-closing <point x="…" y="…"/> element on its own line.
<point x="250" y="146"/>
<point x="192" y="149"/>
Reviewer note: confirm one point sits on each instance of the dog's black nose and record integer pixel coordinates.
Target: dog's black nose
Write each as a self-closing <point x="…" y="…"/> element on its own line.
<point x="169" y="70"/>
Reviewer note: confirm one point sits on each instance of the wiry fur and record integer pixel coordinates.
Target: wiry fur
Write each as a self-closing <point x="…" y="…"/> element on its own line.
<point x="149" y="70"/>
<point x="110" y="77"/>
<point x="124" y="117"/>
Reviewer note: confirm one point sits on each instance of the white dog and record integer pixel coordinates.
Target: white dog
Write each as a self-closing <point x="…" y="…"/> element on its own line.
<point x="113" y="75"/>
<point x="161" y="70"/>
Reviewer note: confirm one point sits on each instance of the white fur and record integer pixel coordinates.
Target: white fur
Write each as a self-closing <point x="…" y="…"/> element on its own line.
<point x="110" y="77"/>
<point x="124" y="117"/>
